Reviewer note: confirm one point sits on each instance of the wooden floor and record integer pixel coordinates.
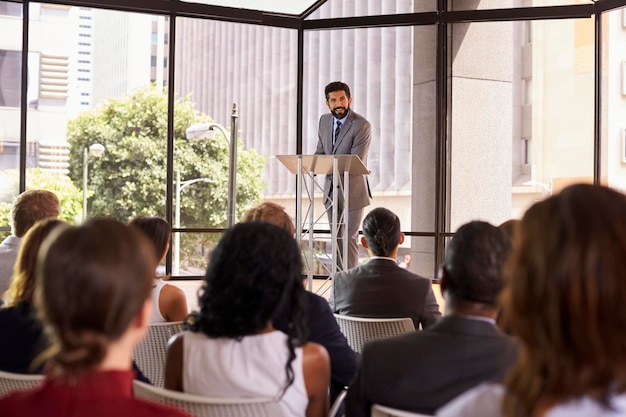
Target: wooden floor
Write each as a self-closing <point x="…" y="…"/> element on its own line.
<point x="321" y="287"/>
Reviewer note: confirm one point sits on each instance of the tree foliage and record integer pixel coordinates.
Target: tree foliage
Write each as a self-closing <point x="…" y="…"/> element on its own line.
<point x="129" y="179"/>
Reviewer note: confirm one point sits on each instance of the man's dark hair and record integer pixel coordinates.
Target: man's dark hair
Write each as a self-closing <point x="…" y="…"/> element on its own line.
<point x="473" y="262"/>
<point x="336" y="86"/>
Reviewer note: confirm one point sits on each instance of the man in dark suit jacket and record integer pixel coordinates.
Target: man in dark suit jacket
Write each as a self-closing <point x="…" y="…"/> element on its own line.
<point x="381" y="288"/>
<point x="323" y="329"/>
<point x="422" y="371"/>
<point x="344" y="132"/>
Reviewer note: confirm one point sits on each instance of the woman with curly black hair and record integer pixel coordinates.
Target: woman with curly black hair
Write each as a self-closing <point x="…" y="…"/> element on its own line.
<point x="232" y="349"/>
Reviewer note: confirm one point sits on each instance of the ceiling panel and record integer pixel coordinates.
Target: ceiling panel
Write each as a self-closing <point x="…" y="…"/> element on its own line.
<point x="290" y="7"/>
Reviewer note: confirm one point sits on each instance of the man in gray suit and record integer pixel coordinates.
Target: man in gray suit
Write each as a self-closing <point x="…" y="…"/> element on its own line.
<point x="422" y="371"/>
<point x="381" y="288"/>
<point x="344" y="132"/>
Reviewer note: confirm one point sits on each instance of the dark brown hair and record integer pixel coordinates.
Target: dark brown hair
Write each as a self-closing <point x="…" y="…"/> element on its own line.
<point x="157" y="230"/>
<point x="336" y="86"/>
<point x="93" y="280"/>
<point x="32" y="206"/>
<point x="564" y="299"/>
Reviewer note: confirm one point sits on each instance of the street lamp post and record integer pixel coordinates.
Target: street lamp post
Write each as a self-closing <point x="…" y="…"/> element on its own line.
<point x="96" y="150"/>
<point x="180" y="185"/>
<point x="206" y="131"/>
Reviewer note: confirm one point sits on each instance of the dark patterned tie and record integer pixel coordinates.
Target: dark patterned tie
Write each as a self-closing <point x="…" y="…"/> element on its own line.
<point x="337" y="129"/>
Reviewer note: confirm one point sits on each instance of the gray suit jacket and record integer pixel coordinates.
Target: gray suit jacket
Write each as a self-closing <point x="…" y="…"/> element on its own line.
<point x="8" y="254"/>
<point x="354" y="139"/>
<point x="381" y="288"/>
<point x="423" y="371"/>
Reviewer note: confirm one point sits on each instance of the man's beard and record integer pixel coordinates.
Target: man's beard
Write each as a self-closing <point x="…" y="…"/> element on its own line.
<point x="340" y="115"/>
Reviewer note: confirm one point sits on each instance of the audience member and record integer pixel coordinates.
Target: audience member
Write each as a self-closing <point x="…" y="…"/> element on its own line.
<point x="93" y="295"/>
<point x="323" y="327"/>
<point x="509" y="227"/>
<point x="18" y="319"/>
<point x="232" y="349"/>
<point x="273" y="213"/>
<point x="381" y="288"/>
<point x="169" y="301"/>
<point x="28" y="208"/>
<point x="24" y="334"/>
<point x="422" y="371"/>
<point x="564" y="296"/>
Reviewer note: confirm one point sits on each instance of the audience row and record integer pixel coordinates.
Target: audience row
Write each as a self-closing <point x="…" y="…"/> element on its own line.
<point x="82" y="296"/>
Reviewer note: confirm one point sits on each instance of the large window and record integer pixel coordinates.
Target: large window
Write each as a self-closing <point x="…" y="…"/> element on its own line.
<point x="473" y="115"/>
<point x="521" y="115"/>
<point x="10" y="97"/>
<point x="613" y="149"/>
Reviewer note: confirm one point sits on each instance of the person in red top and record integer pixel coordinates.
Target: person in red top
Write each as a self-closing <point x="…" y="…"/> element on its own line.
<point x="93" y="295"/>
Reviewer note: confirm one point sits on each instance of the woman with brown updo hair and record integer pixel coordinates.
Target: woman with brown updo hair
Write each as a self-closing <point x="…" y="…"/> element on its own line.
<point x="564" y="300"/>
<point x="93" y="296"/>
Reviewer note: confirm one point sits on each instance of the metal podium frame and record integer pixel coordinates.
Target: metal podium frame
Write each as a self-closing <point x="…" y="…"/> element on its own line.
<point x="308" y="166"/>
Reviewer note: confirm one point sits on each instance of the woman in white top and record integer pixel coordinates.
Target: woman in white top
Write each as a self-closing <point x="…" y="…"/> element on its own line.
<point x="169" y="301"/>
<point x="564" y="299"/>
<point x="232" y="349"/>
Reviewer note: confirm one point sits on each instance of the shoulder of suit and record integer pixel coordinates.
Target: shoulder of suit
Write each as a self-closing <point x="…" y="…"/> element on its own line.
<point x="325" y="116"/>
<point x="356" y="116"/>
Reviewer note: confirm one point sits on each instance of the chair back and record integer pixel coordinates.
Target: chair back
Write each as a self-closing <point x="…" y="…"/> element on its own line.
<point x="200" y="406"/>
<point x="338" y="406"/>
<point x="382" y="411"/>
<point x="150" y="353"/>
<point x="10" y="382"/>
<point x="359" y="330"/>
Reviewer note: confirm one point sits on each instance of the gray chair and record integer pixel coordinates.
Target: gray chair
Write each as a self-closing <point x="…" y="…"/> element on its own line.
<point x="200" y="406"/>
<point x="359" y="330"/>
<point x="150" y="353"/>
<point x="382" y="411"/>
<point x="10" y="382"/>
<point x="336" y="408"/>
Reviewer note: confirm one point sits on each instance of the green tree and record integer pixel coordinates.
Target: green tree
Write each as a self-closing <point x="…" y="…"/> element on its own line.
<point x="129" y="179"/>
<point x="69" y="196"/>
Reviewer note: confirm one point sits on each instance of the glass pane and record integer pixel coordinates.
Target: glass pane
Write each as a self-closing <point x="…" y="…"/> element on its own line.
<point x="10" y="96"/>
<point x="340" y="8"/>
<point x="99" y="113"/>
<point x="613" y="152"/>
<point x="417" y="253"/>
<point x="393" y="87"/>
<point x="195" y="251"/>
<point x="259" y="74"/>
<point x="506" y="4"/>
<point x="522" y="124"/>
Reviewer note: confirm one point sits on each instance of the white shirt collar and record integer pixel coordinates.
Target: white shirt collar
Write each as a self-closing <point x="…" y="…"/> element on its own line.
<point x="383" y="257"/>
